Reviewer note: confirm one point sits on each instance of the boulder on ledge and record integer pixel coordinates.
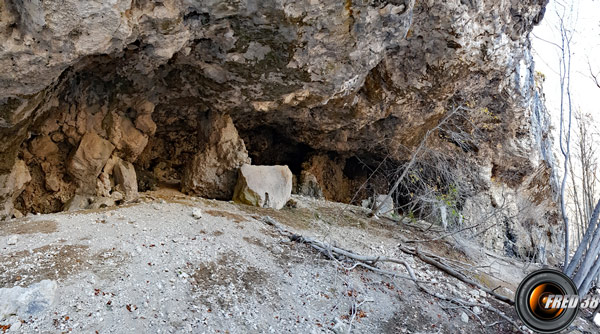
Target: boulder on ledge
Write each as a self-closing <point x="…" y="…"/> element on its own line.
<point x="264" y="186"/>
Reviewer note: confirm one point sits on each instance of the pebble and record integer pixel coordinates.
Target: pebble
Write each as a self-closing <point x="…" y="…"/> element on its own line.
<point x="339" y="327"/>
<point x="12" y="240"/>
<point x="197" y="213"/>
<point x="464" y="317"/>
<point x="477" y="310"/>
<point x="15" y="326"/>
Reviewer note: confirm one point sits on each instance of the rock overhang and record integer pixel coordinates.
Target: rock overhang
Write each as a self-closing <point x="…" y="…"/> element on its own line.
<point x="308" y="84"/>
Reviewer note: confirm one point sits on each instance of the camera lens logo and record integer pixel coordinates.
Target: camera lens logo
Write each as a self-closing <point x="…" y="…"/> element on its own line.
<point x="547" y="301"/>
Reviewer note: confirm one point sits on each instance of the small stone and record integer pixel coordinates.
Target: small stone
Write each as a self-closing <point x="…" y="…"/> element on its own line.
<point x="117" y="196"/>
<point x="292" y="204"/>
<point x="464" y="317"/>
<point x="15" y="326"/>
<point x="477" y="310"/>
<point x="17" y="214"/>
<point x="474" y="293"/>
<point x="12" y="240"/>
<point x="197" y="213"/>
<point x="385" y="204"/>
<point x="339" y="327"/>
<point x="309" y="185"/>
<point x="366" y="203"/>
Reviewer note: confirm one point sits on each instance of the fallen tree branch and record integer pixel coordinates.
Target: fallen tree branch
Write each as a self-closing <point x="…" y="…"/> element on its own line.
<point x="355" y="308"/>
<point x="336" y="253"/>
<point x="450" y="271"/>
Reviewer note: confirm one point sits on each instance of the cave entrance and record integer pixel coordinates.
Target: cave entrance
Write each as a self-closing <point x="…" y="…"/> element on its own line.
<point x="105" y="138"/>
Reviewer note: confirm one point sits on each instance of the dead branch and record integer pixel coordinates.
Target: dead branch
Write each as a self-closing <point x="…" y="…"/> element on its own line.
<point x="593" y="75"/>
<point x="428" y="258"/>
<point x="367" y="262"/>
<point x="414" y="157"/>
<point x="355" y="308"/>
<point x="336" y="253"/>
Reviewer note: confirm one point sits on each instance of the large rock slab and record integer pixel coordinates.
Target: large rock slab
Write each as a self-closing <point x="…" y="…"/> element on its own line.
<point x="126" y="137"/>
<point x="264" y="186"/>
<point x="26" y="302"/>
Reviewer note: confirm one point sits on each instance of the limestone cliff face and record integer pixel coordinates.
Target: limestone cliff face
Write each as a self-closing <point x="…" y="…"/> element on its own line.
<point x="322" y="86"/>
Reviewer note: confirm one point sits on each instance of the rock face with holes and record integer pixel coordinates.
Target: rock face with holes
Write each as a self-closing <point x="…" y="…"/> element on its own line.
<point x="186" y="92"/>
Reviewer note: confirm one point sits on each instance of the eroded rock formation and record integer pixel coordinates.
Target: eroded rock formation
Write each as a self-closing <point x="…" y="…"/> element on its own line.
<point x="184" y="92"/>
<point x="213" y="171"/>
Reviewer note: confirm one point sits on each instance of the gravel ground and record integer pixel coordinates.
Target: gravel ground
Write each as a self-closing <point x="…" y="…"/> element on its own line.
<point x="178" y="264"/>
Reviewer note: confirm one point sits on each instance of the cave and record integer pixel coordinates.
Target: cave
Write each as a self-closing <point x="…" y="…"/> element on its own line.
<point x="102" y="129"/>
<point x="152" y="94"/>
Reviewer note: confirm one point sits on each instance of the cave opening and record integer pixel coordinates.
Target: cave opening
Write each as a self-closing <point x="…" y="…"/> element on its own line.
<point x="267" y="145"/>
<point x="99" y="138"/>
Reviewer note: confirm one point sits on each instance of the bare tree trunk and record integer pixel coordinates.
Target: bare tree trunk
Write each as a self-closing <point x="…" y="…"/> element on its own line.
<point x="592" y="252"/>
<point x="589" y="279"/>
<point x="583" y="246"/>
<point x="565" y="140"/>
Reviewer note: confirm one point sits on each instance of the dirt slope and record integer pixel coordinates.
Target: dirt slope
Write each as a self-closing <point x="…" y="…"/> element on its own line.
<point x="151" y="267"/>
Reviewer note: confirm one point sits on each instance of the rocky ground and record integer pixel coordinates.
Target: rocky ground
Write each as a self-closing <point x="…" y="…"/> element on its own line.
<point x="177" y="264"/>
